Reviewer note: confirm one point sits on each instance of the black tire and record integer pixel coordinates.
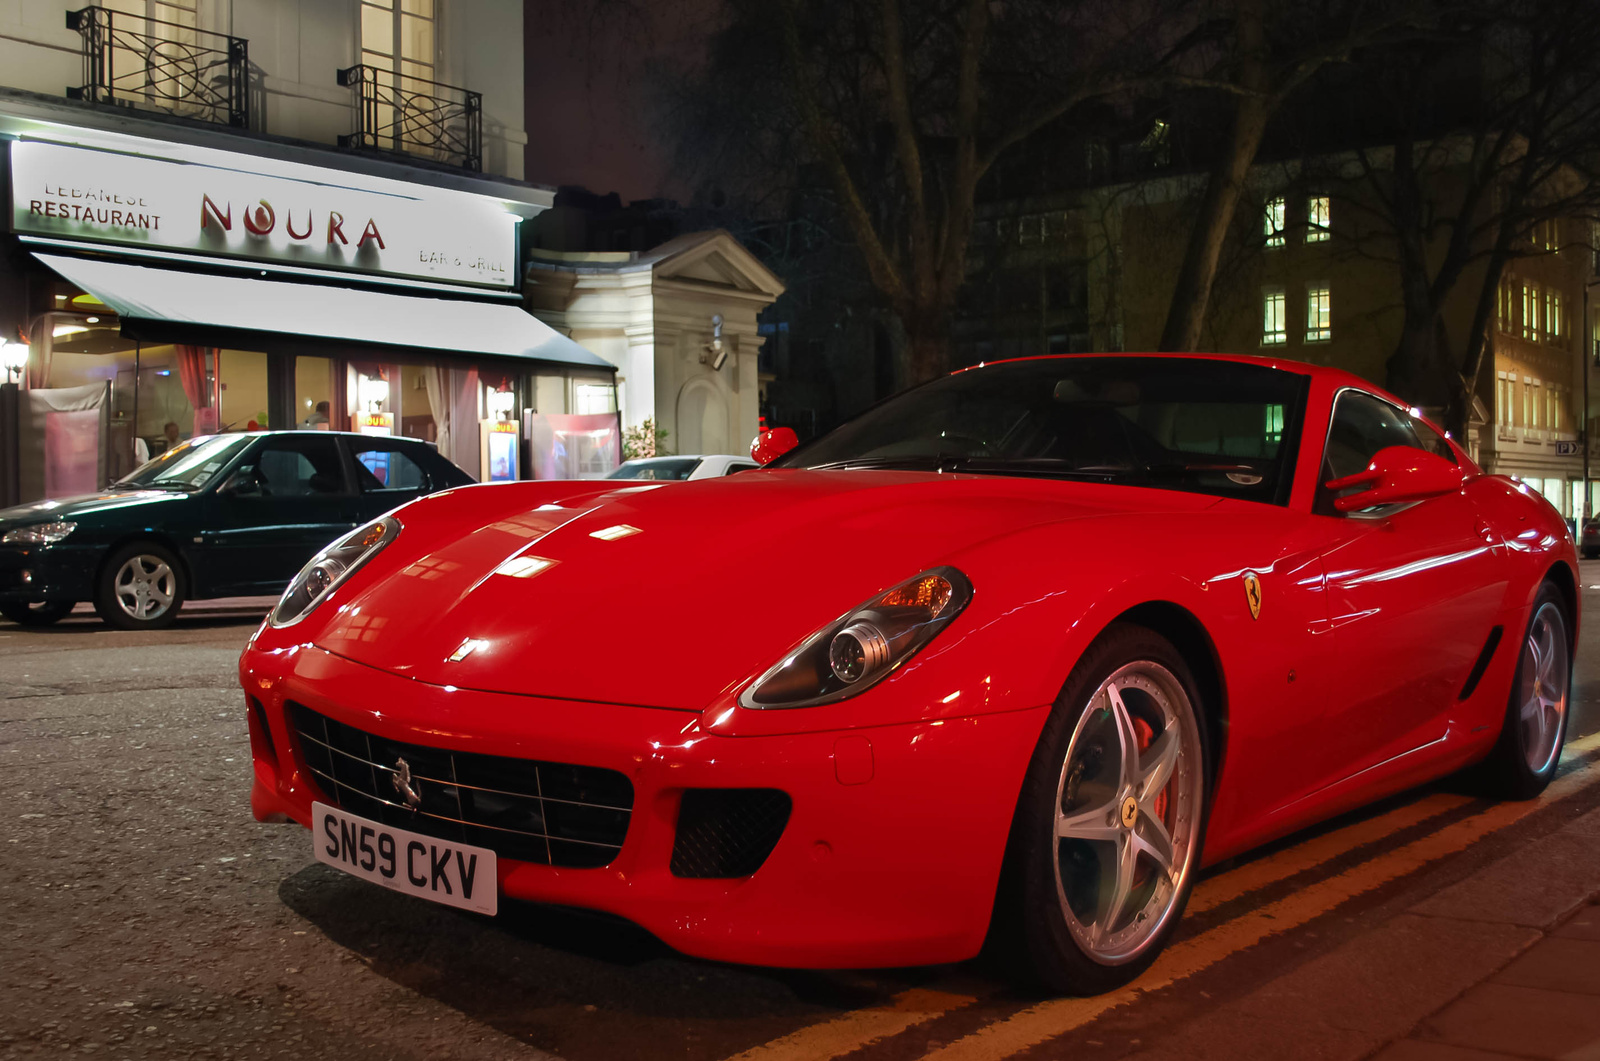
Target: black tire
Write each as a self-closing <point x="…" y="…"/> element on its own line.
<point x="1525" y="757"/>
<point x="36" y="613"/>
<point x="113" y="587"/>
<point x="1031" y="931"/>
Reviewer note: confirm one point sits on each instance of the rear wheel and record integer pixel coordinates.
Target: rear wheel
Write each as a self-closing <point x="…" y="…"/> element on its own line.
<point x="1107" y="833"/>
<point x="1524" y="759"/>
<point x="140" y="588"/>
<point x="35" y="613"/>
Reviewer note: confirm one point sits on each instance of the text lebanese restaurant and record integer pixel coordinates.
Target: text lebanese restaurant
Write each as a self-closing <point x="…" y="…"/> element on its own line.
<point x="154" y="290"/>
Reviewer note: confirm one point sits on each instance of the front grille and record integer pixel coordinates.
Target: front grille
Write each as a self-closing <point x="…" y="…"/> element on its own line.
<point x="555" y="813"/>
<point x="727" y="832"/>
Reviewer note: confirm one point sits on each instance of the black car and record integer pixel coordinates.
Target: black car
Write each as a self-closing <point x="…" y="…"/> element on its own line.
<point x="218" y="516"/>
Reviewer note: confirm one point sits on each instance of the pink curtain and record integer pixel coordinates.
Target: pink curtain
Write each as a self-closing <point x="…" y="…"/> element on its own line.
<point x="192" y="374"/>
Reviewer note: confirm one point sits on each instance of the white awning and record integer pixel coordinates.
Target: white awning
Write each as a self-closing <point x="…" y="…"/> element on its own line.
<point x="338" y="314"/>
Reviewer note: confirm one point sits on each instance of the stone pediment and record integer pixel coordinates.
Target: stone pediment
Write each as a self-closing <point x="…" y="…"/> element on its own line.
<point x="713" y="259"/>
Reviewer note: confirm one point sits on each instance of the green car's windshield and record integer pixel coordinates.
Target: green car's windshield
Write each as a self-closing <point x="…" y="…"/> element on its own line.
<point x="190" y="465"/>
<point x="1205" y="425"/>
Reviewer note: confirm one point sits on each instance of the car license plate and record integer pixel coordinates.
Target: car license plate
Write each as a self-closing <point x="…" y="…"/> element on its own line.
<point x="441" y="870"/>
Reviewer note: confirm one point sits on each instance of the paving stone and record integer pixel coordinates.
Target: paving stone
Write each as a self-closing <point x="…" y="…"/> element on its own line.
<point x="1557" y="964"/>
<point x="1519" y="1020"/>
<point x="1584" y="925"/>
<point x="1537" y="886"/>
<point x="1417" y="1050"/>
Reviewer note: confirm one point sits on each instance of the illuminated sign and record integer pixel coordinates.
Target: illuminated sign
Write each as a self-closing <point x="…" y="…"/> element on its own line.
<point x="375" y="423"/>
<point x="426" y="233"/>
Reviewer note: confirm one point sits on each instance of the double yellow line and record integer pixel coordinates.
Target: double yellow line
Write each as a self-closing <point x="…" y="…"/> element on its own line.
<point x="1047" y="1020"/>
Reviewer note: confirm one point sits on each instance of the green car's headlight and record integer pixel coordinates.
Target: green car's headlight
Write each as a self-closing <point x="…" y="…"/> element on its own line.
<point x="861" y="648"/>
<point x="39" y="533"/>
<point x="324" y="572"/>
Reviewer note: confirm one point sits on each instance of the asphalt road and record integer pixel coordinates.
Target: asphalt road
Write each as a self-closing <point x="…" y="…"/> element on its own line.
<point x="144" y="914"/>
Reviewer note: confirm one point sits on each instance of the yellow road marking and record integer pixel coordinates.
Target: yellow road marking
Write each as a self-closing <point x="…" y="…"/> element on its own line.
<point x="858" y="1028"/>
<point x="1050" y="1019"/>
<point x="1225" y="887"/>
<point x="851" y="1031"/>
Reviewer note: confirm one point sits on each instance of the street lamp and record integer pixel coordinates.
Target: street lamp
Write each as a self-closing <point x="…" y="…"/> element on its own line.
<point x="14" y="359"/>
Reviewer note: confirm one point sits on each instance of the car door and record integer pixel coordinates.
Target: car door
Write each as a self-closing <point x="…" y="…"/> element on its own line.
<point x="387" y="475"/>
<point x="1412" y="593"/>
<point x="288" y="497"/>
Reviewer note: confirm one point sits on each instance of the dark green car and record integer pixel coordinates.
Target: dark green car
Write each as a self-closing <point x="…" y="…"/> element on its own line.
<point x="218" y="516"/>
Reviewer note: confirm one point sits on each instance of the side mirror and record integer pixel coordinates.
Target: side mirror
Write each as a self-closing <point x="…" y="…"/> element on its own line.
<point x="242" y="483"/>
<point x="770" y="445"/>
<point x="1398" y="474"/>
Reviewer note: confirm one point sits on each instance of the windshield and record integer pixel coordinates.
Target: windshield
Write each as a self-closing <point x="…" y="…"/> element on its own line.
<point x="190" y="465"/>
<point x="657" y="468"/>
<point x="1217" y="427"/>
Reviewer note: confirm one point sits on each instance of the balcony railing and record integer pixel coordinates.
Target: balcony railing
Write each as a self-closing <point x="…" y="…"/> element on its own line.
<point x="415" y="116"/>
<point x="145" y="62"/>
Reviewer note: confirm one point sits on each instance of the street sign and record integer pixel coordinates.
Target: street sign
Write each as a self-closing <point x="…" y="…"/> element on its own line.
<point x="1566" y="449"/>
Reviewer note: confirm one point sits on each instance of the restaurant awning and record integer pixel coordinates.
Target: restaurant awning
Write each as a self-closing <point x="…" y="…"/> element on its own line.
<point x="183" y="301"/>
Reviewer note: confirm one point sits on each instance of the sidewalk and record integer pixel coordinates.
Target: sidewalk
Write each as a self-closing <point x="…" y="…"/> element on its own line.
<point x="1502" y="964"/>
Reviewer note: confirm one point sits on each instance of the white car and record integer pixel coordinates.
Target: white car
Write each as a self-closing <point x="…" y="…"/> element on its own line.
<point x="679" y="468"/>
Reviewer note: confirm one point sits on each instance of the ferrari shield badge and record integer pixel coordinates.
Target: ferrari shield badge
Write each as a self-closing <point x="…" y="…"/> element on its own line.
<point x="1252" y="594"/>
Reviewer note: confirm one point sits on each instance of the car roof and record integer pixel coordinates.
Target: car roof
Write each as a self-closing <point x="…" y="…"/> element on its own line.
<point x="314" y="431"/>
<point x="685" y="457"/>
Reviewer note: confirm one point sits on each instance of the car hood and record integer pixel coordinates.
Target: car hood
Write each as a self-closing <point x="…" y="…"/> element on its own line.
<point x="673" y="595"/>
<point x="74" y="508"/>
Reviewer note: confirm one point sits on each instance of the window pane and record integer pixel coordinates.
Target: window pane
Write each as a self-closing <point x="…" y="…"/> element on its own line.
<point x="1319" y="314"/>
<point x="377" y="30"/>
<point x="417" y="7"/>
<point x="1272" y="223"/>
<point x="1317" y="219"/>
<point x="416" y="38"/>
<point x="299" y="467"/>
<point x="384" y="469"/>
<point x="1274" y="327"/>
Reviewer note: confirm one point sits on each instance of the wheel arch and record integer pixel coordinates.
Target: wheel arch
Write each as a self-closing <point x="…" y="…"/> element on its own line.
<point x="1188" y="635"/>
<point x="1560" y="575"/>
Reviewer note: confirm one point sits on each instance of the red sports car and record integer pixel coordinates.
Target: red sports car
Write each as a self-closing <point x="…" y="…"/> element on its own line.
<point x="1011" y="656"/>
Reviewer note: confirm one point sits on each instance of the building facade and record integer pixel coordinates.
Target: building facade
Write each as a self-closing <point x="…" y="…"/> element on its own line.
<point x="237" y="214"/>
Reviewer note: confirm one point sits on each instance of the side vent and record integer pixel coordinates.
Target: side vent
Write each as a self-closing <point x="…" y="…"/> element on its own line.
<point x="1483" y="662"/>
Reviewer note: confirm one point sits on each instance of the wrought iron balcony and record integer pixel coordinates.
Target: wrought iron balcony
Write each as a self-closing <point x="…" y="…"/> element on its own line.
<point x="146" y="62"/>
<point x="415" y="116"/>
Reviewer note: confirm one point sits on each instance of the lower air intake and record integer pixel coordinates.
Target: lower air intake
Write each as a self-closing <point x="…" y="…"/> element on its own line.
<point x="728" y="832"/>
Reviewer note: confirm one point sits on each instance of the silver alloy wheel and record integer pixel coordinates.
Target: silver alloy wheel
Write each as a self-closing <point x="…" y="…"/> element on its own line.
<point x="1542" y="687"/>
<point x="1127" y="812"/>
<point x="145" y="587"/>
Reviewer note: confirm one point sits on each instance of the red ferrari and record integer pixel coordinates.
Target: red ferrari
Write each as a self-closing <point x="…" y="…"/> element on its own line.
<point x="1009" y="657"/>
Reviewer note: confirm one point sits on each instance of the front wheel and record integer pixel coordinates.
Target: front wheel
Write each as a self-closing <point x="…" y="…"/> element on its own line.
<point x="36" y="613"/>
<point x="1524" y="759"/>
<point x="1107" y="835"/>
<point x="140" y="588"/>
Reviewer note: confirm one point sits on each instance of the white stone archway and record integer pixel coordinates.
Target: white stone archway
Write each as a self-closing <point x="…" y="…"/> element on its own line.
<point x="702" y="419"/>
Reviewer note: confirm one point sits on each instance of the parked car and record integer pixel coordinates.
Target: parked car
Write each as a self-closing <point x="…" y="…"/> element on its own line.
<point x="942" y="675"/>
<point x="1590" y="542"/>
<point x="682" y="468"/>
<point x="218" y="516"/>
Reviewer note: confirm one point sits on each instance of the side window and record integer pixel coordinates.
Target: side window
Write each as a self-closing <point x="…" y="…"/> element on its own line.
<point x="739" y="466"/>
<point x="1361" y="426"/>
<point x="382" y="468"/>
<point x="1432" y="441"/>
<point x="299" y="467"/>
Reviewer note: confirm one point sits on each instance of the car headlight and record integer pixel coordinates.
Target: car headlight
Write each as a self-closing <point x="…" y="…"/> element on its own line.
<point x="39" y="533"/>
<point x="864" y="646"/>
<point x="324" y="572"/>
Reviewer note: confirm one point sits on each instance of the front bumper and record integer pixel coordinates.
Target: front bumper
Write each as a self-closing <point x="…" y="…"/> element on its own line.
<point x="48" y="572"/>
<point x="891" y="854"/>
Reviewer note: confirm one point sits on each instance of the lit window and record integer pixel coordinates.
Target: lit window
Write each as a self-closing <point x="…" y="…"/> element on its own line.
<point x="1272" y="222"/>
<point x="1527" y="403"/>
<point x="1319" y="314"/>
<point x="1502" y="395"/>
<point x="398" y="40"/>
<point x="1530" y="312"/>
<point x="1552" y="315"/>
<point x="1317" y="219"/>
<point x="1274" y="318"/>
<point x="1536" y="403"/>
<point x="1274" y="432"/>
<point x="1507" y="311"/>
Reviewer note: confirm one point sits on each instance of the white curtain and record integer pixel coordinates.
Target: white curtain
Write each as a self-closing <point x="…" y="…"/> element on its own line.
<point x="439" y="404"/>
